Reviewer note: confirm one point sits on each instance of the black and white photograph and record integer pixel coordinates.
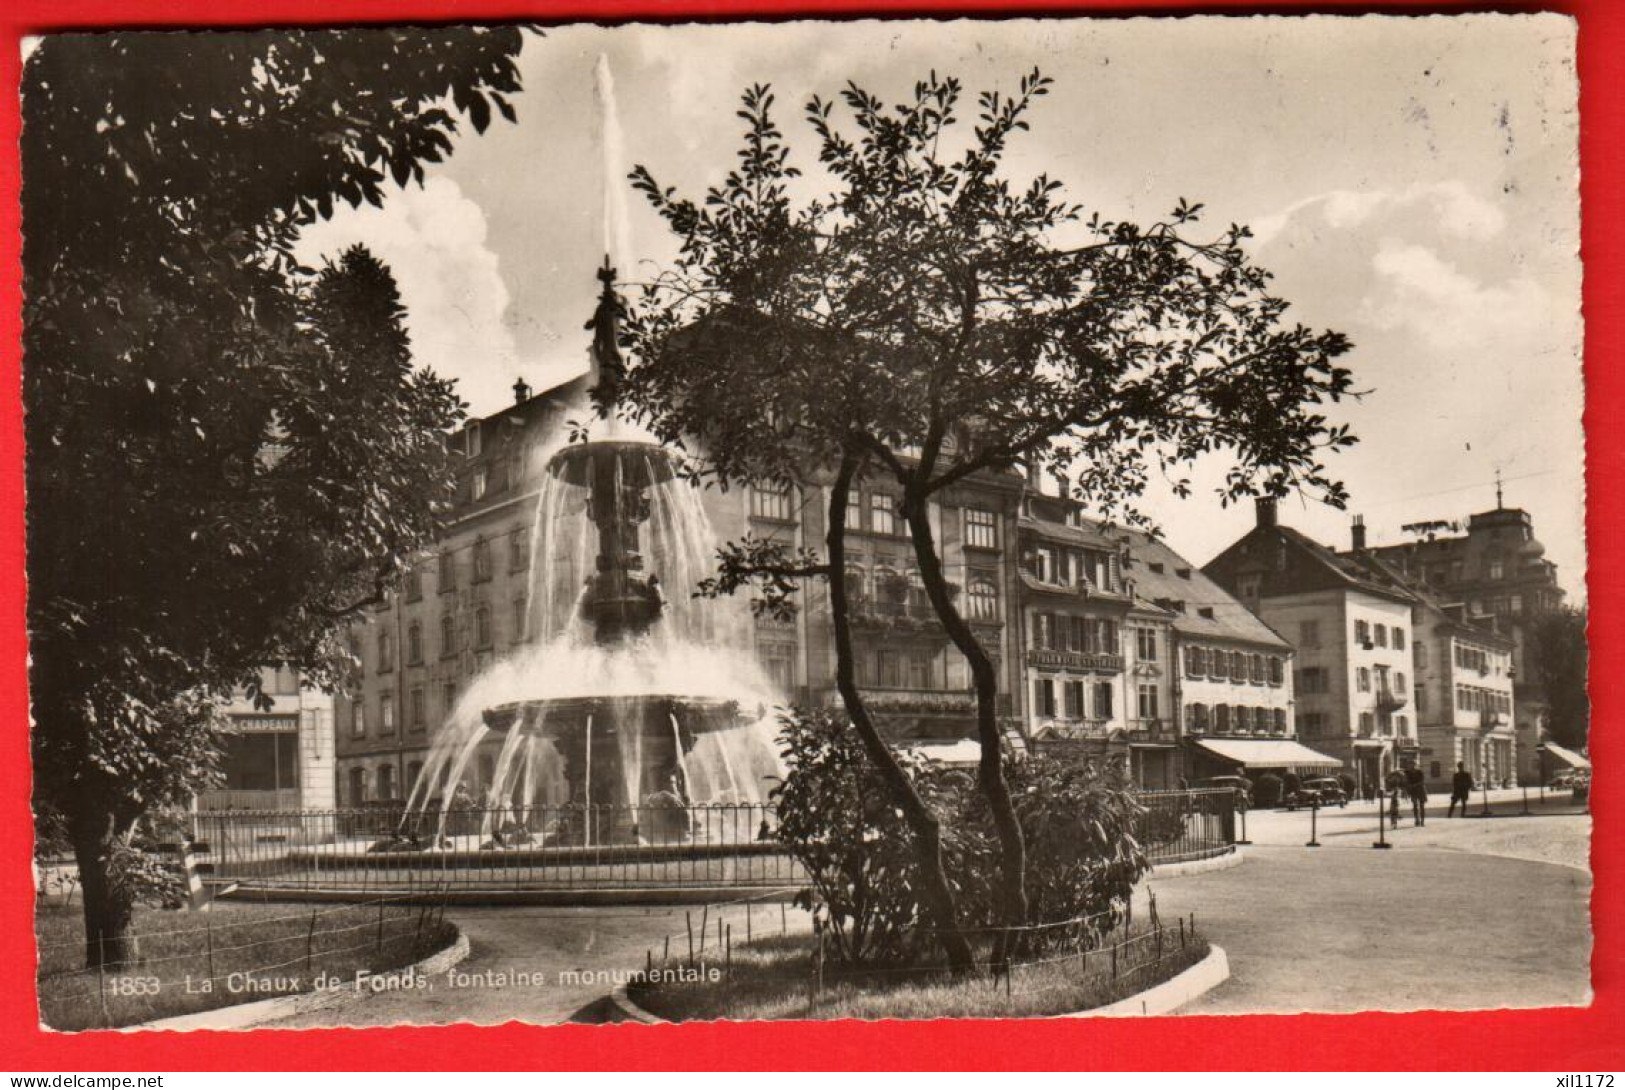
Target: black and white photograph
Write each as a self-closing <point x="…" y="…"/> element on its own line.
<point x="805" y="520"/>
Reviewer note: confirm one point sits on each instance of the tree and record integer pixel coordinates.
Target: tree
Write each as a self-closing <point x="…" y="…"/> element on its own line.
<point x="929" y="319"/>
<point x="228" y="453"/>
<point x="1560" y="656"/>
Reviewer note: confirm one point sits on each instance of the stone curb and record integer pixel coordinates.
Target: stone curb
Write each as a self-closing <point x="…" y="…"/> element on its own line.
<point x="244" y="1015"/>
<point x="1171" y="994"/>
<point x="1232" y="858"/>
<point x="1163" y="998"/>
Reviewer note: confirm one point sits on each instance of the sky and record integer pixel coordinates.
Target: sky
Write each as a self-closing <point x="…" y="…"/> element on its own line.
<point x="1410" y="181"/>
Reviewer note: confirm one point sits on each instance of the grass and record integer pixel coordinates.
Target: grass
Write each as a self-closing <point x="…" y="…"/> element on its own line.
<point x="774" y="979"/>
<point x="258" y="951"/>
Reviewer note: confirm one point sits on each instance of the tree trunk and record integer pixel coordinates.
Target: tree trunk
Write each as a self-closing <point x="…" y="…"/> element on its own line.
<point x="108" y="903"/>
<point x="923" y="822"/>
<point x="990" y="769"/>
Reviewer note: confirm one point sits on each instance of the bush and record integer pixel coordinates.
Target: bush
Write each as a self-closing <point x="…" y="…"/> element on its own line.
<point x="1268" y="791"/>
<point x="836" y="819"/>
<point x="1083" y="857"/>
<point x="1346" y="782"/>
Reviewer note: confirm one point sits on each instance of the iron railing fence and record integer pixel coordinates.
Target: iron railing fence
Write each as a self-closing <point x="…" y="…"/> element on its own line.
<point x="540" y="847"/>
<point x="571" y="847"/>
<point x="1178" y="826"/>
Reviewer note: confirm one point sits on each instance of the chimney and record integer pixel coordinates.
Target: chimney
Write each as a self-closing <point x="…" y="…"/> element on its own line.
<point x="1359" y="533"/>
<point x="1266" y="512"/>
<point x="521" y="392"/>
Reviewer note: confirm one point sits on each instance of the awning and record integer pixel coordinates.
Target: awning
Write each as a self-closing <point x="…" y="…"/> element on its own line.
<point x="965" y="751"/>
<point x="1267" y="753"/>
<point x="1567" y="756"/>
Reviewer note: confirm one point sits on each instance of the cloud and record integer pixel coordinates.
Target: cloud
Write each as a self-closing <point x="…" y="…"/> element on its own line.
<point x="1449" y="207"/>
<point x="1416" y="290"/>
<point x="435" y="240"/>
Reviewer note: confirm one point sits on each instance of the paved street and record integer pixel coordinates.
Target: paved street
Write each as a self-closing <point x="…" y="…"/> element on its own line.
<point x="1461" y="913"/>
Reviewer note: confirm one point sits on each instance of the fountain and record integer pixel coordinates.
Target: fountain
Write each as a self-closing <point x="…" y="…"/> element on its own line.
<point x="632" y="701"/>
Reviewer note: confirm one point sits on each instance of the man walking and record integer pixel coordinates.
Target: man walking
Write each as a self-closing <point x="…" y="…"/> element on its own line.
<point x="1417" y="788"/>
<point x="1461" y="788"/>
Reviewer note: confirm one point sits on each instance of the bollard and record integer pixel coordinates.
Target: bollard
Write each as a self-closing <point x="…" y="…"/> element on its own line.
<point x="1525" y="798"/>
<point x="1314" y="813"/>
<point x="1382" y="839"/>
<point x="1486" y="811"/>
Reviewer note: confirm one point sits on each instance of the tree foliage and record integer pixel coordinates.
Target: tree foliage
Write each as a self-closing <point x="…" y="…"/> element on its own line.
<point x="925" y="316"/>
<point x="1561" y="657"/>
<point x="228" y="453"/>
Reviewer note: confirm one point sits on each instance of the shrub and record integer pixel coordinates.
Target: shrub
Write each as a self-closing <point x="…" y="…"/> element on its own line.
<point x="1268" y="791"/>
<point x="836" y="819"/>
<point x="1346" y="782"/>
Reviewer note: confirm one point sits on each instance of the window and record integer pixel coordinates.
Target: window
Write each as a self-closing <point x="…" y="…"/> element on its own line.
<point x="1243" y="719"/>
<point x="984" y="601"/>
<point x="1421" y="700"/>
<point x="919" y="670"/>
<point x="1044" y="631"/>
<point x="386" y="714"/>
<point x="414" y="643"/>
<point x="1362" y="679"/>
<point x="519" y="618"/>
<point x="480" y="482"/>
<point x="519" y="549"/>
<point x="1255" y="669"/>
<point x="1308" y="633"/>
<point x="414" y="585"/>
<point x="1046" y="565"/>
<point x="772" y="501"/>
<point x="358" y="786"/>
<point x="1311" y="723"/>
<point x="889" y="669"/>
<point x="854" y="510"/>
<point x="883" y="514"/>
<point x="1103" y="700"/>
<point x="417" y="711"/>
<point x="1368" y="725"/>
<point x="482" y="628"/>
<point x="1277" y="671"/>
<point x="1399" y="682"/>
<point x="1196" y="718"/>
<point x="414" y="773"/>
<point x="386" y="653"/>
<point x="475" y="440"/>
<point x="1280" y="720"/>
<point x="1362" y="632"/>
<point x="448" y="571"/>
<point x="1516" y="602"/>
<point x="1311" y="680"/>
<point x="1238" y="666"/>
<point x="1148" y="702"/>
<point x="1221" y="719"/>
<point x="1380" y="635"/>
<point x="358" y="719"/>
<point x="1497" y="568"/>
<point x="1399" y="638"/>
<point x="778" y="663"/>
<point x="1074" y="699"/>
<point x="448" y="697"/>
<point x="1145" y="640"/>
<point x="1044" y="697"/>
<point x="981" y="529"/>
<point x="386" y="781"/>
<point x="482" y="560"/>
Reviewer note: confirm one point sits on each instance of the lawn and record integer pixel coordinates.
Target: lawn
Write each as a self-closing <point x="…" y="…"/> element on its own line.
<point x="774" y="978"/>
<point x="234" y="953"/>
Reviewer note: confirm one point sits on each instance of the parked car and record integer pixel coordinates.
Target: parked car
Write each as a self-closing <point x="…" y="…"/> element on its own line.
<point x="1562" y="781"/>
<point x="1239" y="784"/>
<point x="1329" y="791"/>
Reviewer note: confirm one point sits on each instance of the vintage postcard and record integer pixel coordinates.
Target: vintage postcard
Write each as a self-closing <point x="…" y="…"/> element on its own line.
<point x="814" y="520"/>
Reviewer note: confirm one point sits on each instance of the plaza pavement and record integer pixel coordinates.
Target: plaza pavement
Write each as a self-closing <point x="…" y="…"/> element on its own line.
<point x="1461" y="913"/>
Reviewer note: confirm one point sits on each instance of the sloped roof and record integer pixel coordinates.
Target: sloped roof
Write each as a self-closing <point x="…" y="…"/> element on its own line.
<point x="1426" y="598"/>
<point x="1230" y="621"/>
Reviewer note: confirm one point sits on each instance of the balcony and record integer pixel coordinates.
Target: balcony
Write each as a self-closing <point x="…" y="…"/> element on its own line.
<point x="1389" y="700"/>
<point x="1076" y="660"/>
<point x="916" y="701"/>
<point x="1052" y="728"/>
<point x="1490" y="720"/>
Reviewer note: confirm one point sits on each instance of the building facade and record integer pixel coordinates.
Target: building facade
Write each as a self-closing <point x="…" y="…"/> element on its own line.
<point x="1492" y="571"/>
<point x="278" y="755"/>
<point x="1464" y="697"/>
<point x="1351" y="624"/>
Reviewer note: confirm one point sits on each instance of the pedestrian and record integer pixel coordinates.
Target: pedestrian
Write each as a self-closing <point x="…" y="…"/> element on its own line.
<point x="1461" y="788"/>
<point x="1416" y="786"/>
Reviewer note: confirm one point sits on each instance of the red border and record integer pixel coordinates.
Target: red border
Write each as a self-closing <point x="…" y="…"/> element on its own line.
<point x="1560" y="1040"/>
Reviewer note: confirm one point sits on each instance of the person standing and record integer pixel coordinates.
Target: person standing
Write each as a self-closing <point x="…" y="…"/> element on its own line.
<point x="1461" y="788"/>
<point x="1416" y="786"/>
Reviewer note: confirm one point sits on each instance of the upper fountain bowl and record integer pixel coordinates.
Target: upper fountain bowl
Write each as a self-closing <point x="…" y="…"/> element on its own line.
<point x="641" y="464"/>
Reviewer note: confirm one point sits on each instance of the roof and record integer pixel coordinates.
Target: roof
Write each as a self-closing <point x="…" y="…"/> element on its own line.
<point x="1267" y="753"/>
<point x="1428" y="600"/>
<point x="1290" y="562"/>
<point x="1158" y="589"/>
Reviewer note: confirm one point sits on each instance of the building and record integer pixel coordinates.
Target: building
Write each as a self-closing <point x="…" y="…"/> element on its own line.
<point x="1351" y="624"/>
<point x="280" y="756"/>
<point x="1492" y="571"/>
<point x="464" y="606"/>
<point x="1134" y="655"/>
